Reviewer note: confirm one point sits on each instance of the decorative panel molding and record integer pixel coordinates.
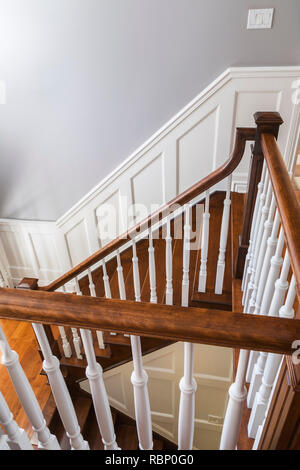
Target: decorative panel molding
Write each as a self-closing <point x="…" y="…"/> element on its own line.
<point x="193" y="143"/>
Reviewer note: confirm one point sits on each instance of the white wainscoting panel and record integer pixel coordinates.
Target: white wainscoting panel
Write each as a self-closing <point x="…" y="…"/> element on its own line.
<point x="192" y="144"/>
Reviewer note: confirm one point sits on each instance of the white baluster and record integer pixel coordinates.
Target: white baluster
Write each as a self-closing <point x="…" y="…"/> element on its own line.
<point x="3" y="442"/>
<point x="10" y="360"/>
<point x="93" y="294"/>
<point x="65" y="343"/>
<point x="94" y="374"/>
<point x="76" y="343"/>
<point x="237" y="396"/>
<point x="60" y="391"/>
<point x="91" y="284"/>
<point x="136" y="274"/>
<point x="106" y="281"/>
<point x="263" y="395"/>
<point x="188" y="389"/>
<point x="247" y="271"/>
<point x="272" y="361"/>
<point x="261" y="255"/>
<point x="276" y="263"/>
<point x="169" y="267"/>
<point x="261" y="204"/>
<point x="204" y="246"/>
<point x="223" y="240"/>
<point x="261" y="426"/>
<point x="187" y="384"/>
<point x="186" y="259"/>
<point x="281" y="286"/>
<point x="76" y="337"/>
<point x="121" y="282"/>
<point x="257" y="244"/>
<point x="139" y="380"/>
<point x="152" y="271"/>
<point x="17" y="438"/>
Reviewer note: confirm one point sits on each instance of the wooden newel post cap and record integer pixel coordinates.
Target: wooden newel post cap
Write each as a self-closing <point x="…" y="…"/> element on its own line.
<point x="267" y="123"/>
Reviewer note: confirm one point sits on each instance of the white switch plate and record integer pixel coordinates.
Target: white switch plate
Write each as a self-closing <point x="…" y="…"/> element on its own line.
<point x="260" y="19"/>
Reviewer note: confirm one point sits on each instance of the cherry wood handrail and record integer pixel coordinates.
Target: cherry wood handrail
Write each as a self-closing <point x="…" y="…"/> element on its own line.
<point x="286" y="199"/>
<point x="196" y="325"/>
<point x="242" y="136"/>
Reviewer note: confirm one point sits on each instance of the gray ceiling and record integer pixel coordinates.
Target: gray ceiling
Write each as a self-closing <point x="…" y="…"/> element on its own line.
<point x="88" y="81"/>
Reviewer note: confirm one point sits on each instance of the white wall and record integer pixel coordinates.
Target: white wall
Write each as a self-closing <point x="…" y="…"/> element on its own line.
<point x="191" y="145"/>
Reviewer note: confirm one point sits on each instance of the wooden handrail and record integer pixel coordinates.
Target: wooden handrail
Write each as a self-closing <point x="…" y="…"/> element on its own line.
<point x="196" y="325"/>
<point x="286" y="199"/>
<point x="242" y="136"/>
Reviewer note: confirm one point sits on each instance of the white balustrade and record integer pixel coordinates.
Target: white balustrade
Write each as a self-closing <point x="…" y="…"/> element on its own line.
<point x="276" y="263"/>
<point x="136" y="274"/>
<point x="247" y="271"/>
<point x="188" y="389"/>
<point x="94" y="374"/>
<point x="268" y="225"/>
<point x="76" y="337"/>
<point x="257" y="244"/>
<point x="204" y="246"/>
<point x="261" y="204"/>
<point x="17" y="438"/>
<point x="60" y="391"/>
<point x="187" y="384"/>
<point x="106" y="281"/>
<point x="139" y="380"/>
<point x="93" y="294"/>
<point x="186" y="259"/>
<point x="10" y="360"/>
<point x="272" y="360"/>
<point x="281" y="286"/>
<point x="121" y="282"/>
<point x="3" y="442"/>
<point x="152" y="269"/>
<point x="237" y="397"/>
<point x="169" y="265"/>
<point x="223" y="240"/>
<point x="65" y="343"/>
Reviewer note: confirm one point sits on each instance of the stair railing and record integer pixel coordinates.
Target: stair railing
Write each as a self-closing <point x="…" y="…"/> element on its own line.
<point x="271" y="277"/>
<point x="167" y="321"/>
<point x="149" y="228"/>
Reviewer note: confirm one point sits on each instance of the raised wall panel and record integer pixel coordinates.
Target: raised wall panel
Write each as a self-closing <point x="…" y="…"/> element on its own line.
<point x="77" y="241"/>
<point x="219" y="364"/>
<point x="13" y="243"/>
<point x="115" y="390"/>
<point x="196" y="151"/>
<point x="148" y="187"/>
<point x="46" y="252"/>
<point x="109" y="218"/>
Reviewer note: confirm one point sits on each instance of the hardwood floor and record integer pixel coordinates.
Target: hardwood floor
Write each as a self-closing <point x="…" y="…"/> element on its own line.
<point x="22" y="339"/>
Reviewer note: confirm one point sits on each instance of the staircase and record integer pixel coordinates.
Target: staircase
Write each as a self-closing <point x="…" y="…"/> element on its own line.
<point x="206" y="268"/>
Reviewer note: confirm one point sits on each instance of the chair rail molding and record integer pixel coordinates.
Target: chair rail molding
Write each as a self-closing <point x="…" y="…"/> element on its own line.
<point x="192" y="144"/>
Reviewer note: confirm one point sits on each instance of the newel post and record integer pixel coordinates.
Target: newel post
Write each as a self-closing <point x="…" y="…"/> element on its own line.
<point x="268" y="123"/>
